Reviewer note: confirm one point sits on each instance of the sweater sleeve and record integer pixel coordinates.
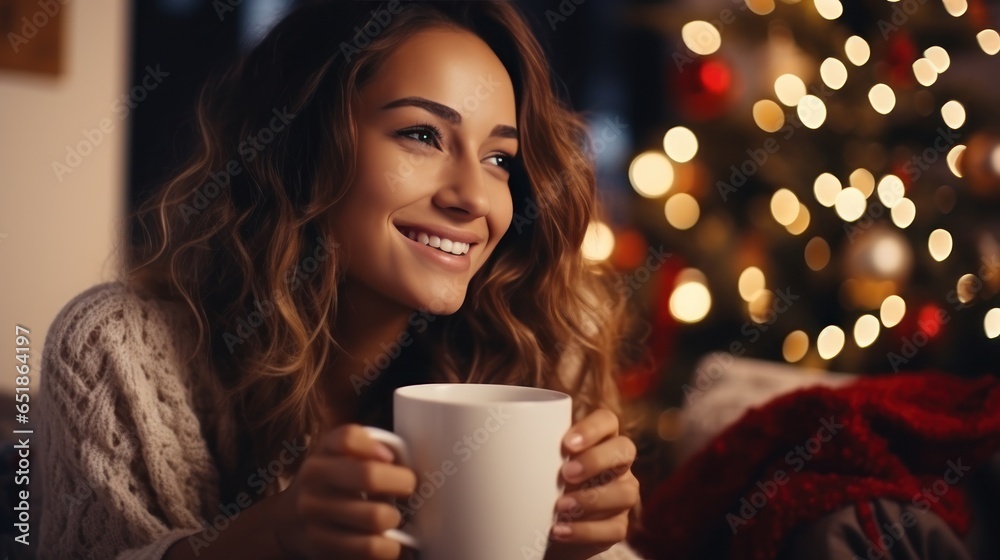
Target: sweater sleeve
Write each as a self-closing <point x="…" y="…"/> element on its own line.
<point x="125" y="469"/>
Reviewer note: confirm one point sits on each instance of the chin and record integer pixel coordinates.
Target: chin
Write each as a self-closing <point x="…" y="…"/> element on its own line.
<point x="438" y="306"/>
<point x="445" y="302"/>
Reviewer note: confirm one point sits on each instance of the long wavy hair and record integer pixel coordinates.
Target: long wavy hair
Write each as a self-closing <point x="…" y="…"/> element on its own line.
<point x="239" y="235"/>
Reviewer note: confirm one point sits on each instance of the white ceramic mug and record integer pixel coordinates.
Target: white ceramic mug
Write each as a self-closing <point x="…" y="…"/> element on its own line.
<point x="487" y="459"/>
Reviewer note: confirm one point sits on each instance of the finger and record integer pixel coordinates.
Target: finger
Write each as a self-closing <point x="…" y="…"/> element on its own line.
<point x="353" y="440"/>
<point x="606" y="532"/>
<point x="613" y="456"/>
<point x="361" y="515"/>
<point x="596" y="427"/>
<point x="599" y="502"/>
<point x="336" y="543"/>
<point x="335" y="475"/>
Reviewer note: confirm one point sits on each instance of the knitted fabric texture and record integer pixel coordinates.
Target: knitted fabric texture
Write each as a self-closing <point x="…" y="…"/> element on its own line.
<point x="817" y="450"/>
<point x="133" y="440"/>
<point x="126" y="470"/>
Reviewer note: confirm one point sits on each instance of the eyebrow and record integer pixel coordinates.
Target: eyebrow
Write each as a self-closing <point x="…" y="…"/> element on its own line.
<point x="447" y="113"/>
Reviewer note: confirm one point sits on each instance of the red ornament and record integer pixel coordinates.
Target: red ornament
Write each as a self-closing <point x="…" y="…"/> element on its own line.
<point x="704" y="86"/>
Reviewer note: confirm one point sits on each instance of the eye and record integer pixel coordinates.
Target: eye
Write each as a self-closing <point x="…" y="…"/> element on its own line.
<point x="503" y="161"/>
<point x="425" y="133"/>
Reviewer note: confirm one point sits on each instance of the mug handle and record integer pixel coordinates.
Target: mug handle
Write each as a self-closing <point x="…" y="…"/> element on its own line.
<point x="402" y="452"/>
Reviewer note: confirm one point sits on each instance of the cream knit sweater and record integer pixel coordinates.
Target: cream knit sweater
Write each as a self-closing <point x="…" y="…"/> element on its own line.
<point x="126" y="470"/>
<point x="125" y="430"/>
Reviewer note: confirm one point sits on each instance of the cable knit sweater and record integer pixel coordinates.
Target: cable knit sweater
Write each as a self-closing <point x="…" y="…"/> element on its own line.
<point x="133" y="441"/>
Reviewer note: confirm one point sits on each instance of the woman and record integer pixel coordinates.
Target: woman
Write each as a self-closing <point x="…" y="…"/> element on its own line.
<point x="383" y="195"/>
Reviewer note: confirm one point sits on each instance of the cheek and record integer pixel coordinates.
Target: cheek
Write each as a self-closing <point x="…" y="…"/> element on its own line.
<point x="502" y="212"/>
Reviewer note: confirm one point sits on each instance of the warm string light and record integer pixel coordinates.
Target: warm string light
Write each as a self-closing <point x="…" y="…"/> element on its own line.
<point x="691" y="300"/>
<point x="866" y="330"/>
<point x="863" y="180"/>
<point x="857" y="50"/>
<point x="989" y="41"/>
<point x="826" y="188"/>
<point x="954" y="158"/>
<point x="789" y="89"/>
<point x="956" y="8"/>
<point x="892" y="310"/>
<point x="598" y="242"/>
<point x="680" y="144"/>
<point x="953" y="114"/>
<point x="991" y="323"/>
<point x="833" y="73"/>
<point x="795" y="347"/>
<point x="830" y="342"/>
<point x="784" y="206"/>
<point x="768" y="115"/>
<point x="652" y="176"/>
<point x="829" y="9"/>
<point x="682" y="211"/>
<point x="925" y="72"/>
<point x="750" y="282"/>
<point x="939" y="244"/>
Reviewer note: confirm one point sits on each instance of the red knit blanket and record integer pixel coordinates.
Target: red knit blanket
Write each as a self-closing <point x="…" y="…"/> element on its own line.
<point x="907" y="437"/>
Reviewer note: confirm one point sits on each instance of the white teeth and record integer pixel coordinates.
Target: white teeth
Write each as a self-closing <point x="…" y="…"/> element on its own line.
<point x="444" y="245"/>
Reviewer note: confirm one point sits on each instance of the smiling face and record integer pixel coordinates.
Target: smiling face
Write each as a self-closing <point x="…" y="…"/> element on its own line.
<point x="430" y="200"/>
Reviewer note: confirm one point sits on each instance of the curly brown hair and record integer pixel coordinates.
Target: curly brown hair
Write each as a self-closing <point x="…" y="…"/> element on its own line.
<point x="239" y="232"/>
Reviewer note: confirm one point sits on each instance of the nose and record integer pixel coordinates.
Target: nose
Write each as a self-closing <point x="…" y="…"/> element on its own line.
<point x="464" y="190"/>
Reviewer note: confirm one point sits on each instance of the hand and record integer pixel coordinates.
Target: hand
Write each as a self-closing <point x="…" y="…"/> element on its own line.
<point x="322" y="513"/>
<point x="593" y="512"/>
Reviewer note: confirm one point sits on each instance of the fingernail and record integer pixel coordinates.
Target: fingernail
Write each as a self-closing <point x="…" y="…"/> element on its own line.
<point x="572" y="469"/>
<point x="383" y="452"/>
<point x="574" y="441"/>
<point x="561" y="530"/>
<point x="565" y="503"/>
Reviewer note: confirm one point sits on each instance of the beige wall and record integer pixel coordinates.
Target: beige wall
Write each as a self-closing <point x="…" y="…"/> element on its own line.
<point x="57" y="236"/>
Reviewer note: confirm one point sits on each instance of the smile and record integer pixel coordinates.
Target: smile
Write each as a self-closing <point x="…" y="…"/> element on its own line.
<point x="441" y="244"/>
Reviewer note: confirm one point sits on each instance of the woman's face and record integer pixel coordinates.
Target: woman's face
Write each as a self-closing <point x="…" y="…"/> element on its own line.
<point x="430" y="201"/>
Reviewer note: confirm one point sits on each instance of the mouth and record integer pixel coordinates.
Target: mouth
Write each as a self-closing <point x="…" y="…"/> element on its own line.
<point x="441" y="244"/>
